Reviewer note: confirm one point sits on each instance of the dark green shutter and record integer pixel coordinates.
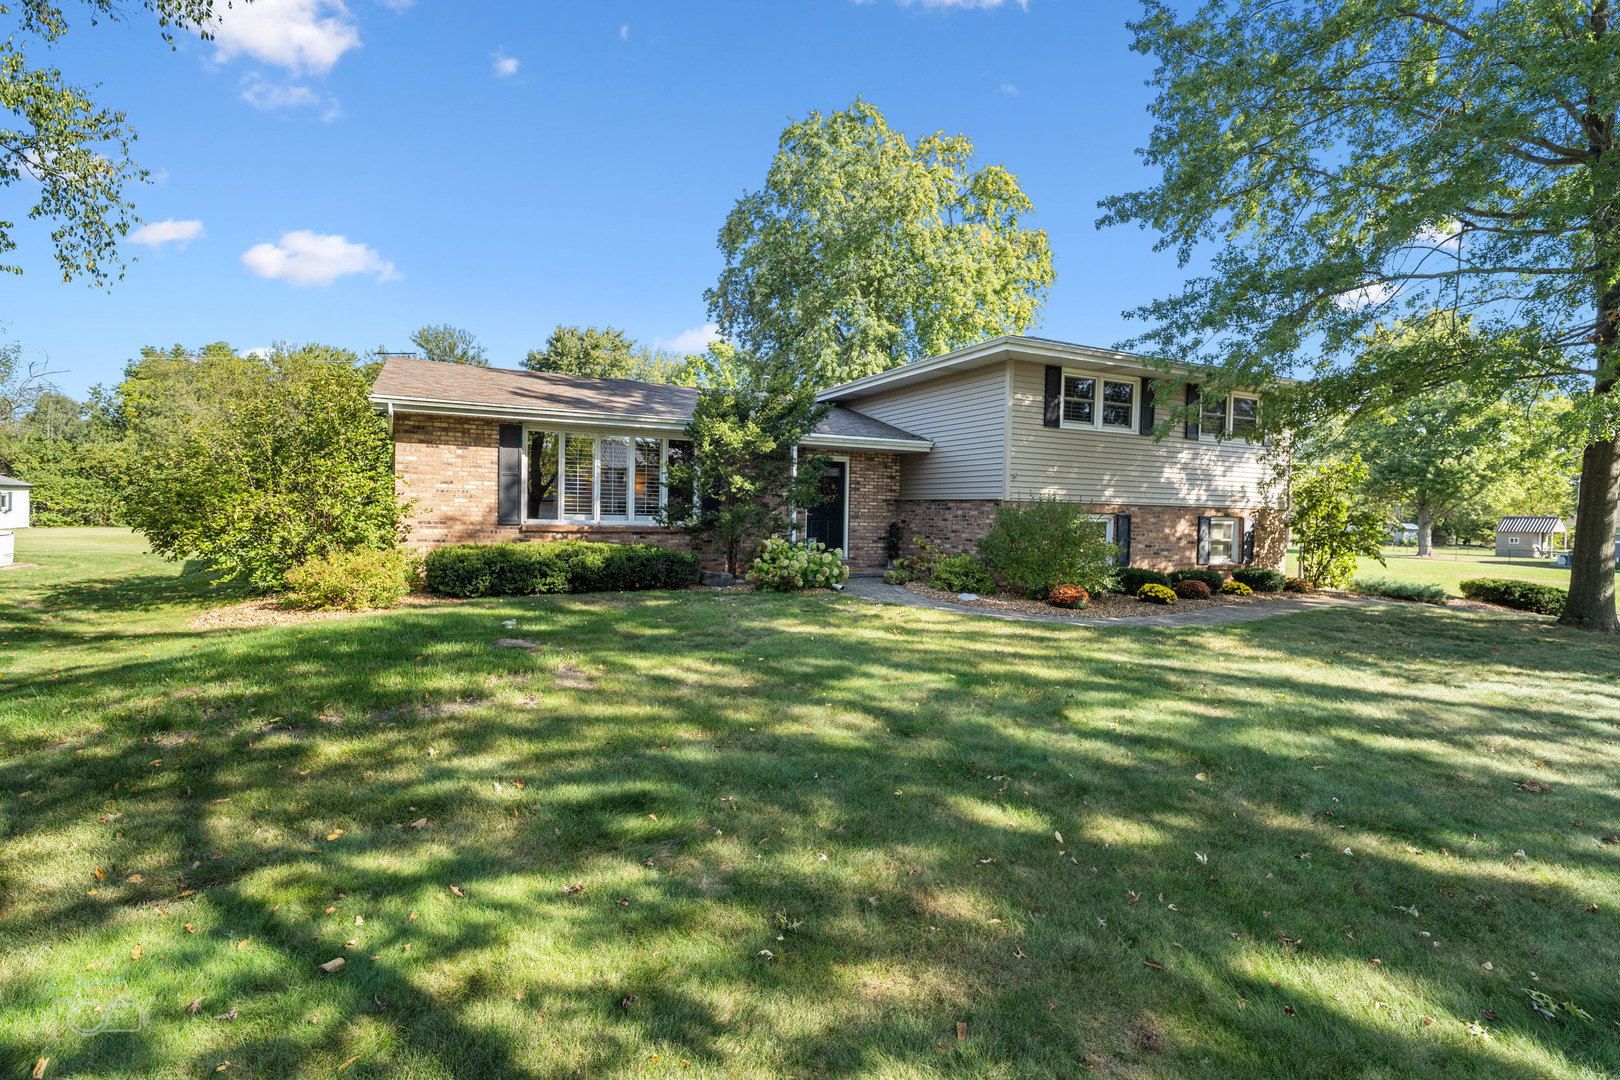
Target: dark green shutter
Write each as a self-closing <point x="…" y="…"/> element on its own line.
<point x="1192" y="414"/>
<point x="1146" y="426"/>
<point x="1053" y="416"/>
<point x="1203" y="541"/>
<point x="1122" y="539"/>
<point x="509" y="463"/>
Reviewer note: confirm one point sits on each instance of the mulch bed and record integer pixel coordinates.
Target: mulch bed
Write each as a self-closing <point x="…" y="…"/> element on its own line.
<point x="1106" y="606"/>
<point x="268" y="611"/>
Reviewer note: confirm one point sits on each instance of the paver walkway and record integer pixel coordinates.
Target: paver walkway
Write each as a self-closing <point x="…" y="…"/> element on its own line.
<point x="873" y="588"/>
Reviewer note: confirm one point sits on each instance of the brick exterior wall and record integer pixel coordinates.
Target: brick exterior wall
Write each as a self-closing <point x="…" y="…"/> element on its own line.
<point x="449" y="464"/>
<point x="1162" y="537"/>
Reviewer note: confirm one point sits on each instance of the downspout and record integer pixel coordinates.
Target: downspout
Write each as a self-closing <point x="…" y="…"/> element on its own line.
<point x="793" y="512"/>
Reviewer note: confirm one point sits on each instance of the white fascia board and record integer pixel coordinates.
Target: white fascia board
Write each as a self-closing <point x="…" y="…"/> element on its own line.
<point x="847" y="442"/>
<point x="1008" y="347"/>
<point x="560" y="417"/>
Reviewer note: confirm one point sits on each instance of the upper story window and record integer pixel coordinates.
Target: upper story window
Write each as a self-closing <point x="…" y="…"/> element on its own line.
<point x="1245" y="412"/>
<point x="1093" y="401"/>
<point x="1213" y="411"/>
<point x="1079" y="400"/>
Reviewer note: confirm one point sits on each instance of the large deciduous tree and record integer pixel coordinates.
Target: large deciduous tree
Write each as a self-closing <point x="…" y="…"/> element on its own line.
<point x="1448" y="163"/>
<point x="865" y="250"/>
<point x="71" y="153"/>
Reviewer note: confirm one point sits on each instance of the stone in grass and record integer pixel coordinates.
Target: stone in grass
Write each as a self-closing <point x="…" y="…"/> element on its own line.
<point x="967" y="597"/>
<point x="716" y="579"/>
<point x="515" y="643"/>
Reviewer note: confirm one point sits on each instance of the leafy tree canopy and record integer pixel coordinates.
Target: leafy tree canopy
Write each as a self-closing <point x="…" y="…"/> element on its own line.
<point x="450" y="345"/>
<point x="1331" y="522"/>
<point x="1439" y="161"/>
<point x="72" y="153"/>
<point x="257" y="464"/>
<point x="741" y="466"/>
<point x="865" y="250"/>
<point x="609" y="354"/>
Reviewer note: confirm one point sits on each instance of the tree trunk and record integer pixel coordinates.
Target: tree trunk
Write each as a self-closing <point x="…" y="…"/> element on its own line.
<point x="1591" y="569"/>
<point x="1425" y="524"/>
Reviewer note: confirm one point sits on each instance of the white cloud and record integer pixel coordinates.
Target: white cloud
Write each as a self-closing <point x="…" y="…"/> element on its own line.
<point x="310" y="258"/>
<point x="269" y="96"/>
<point x="694" y="340"/>
<point x="624" y="31"/>
<point x="299" y="35"/>
<point x="1010" y="89"/>
<point x="505" y="66"/>
<point x="262" y="353"/>
<point x="157" y="233"/>
<point x="1371" y="296"/>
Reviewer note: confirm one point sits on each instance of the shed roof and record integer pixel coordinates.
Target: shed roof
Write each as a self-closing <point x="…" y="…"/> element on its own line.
<point x="6" y="481"/>
<point x="1547" y="524"/>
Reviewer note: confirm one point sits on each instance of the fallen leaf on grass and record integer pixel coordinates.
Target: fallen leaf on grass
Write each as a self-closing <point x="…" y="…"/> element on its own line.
<point x="1604" y="840"/>
<point x="346" y="1064"/>
<point x="335" y="964"/>
<point x="1532" y="785"/>
<point x="227" y="1016"/>
<point x="351" y="943"/>
<point x="333" y="835"/>
<point x="457" y="891"/>
<point x="1490" y="1014"/>
<point x="1154" y="964"/>
<point x="190" y="929"/>
<point x="961" y="1031"/>
<point x="576" y="887"/>
<point x="766" y="953"/>
<point x="413" y="916"/>
<point x="136" y="953"/>
<point x="135" y="879"/>
<point x="1478" y="1032"/>
<point x="419" y="823"/>
<point x="39" y="1068"/>
<point x="242" y="944"/>
<point x="1058" y="836"/>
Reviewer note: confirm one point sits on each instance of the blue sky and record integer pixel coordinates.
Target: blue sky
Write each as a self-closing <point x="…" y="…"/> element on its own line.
<point x="360" y="169"/>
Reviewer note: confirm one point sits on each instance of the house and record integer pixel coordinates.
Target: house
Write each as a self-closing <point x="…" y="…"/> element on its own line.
<point x="1403" y="532"/>
<point x="1527" y="537"/>
<point x="931" y="448"/>
<point x="13" y="515"/>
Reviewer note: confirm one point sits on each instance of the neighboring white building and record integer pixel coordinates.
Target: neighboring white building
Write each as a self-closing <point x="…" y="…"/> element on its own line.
<point x="13" y="515"/>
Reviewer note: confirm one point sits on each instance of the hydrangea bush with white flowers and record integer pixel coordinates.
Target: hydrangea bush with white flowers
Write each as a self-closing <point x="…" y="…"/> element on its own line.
<point x="784" y="567"/>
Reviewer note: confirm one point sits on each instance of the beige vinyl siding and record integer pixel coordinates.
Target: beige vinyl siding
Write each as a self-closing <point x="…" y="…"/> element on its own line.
<point x="1123" y="467"/>
<point x="966" y="417"/>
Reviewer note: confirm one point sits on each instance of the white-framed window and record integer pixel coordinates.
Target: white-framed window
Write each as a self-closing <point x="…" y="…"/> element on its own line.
<point x="1223" y="541"/>
<point x="1099" y="402"/>
<point x="587" y="476"/>
<point x="5" y="502"/>
<point x="1230" y="415"/>
<point x="1513" y="539"/>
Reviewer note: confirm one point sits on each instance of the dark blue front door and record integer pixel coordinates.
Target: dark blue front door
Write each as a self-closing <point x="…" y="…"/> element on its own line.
<point x="826" y="521"/>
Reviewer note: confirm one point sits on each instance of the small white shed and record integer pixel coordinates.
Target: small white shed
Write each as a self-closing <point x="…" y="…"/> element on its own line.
<point x="13" y="515"/>
<point x="1527" y="537"/>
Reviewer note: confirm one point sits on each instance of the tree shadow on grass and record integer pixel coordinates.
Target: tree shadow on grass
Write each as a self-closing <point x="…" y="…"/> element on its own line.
<point x="703" y="760"/>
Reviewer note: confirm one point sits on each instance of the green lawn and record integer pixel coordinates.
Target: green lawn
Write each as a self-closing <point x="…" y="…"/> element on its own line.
<point x="814" y="837"/>
<point x="1450" y="565"/>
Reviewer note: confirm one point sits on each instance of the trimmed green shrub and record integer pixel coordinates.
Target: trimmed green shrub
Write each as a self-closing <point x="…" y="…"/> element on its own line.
<point x="1521" y="595"/>
<point x="962" y="573"/>
<point x="1191" y="589"/>
<point x="895" y="577"/>
<point x="1400" y="590"/>
<point x="358" y="579"/>
<point x="917" y="567"/>
<point x="784" y="567"/>
<point x="1156" y="594"/>
<point x="1299" y="585"/>
<point x="1132" y="578"/>
<point x="1236" y="588"/>
<point x="1212" y="579"/>
<point x="1035" y="546"/>
<point x="1260" y="578"/>
<point x="564" y="566"/>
